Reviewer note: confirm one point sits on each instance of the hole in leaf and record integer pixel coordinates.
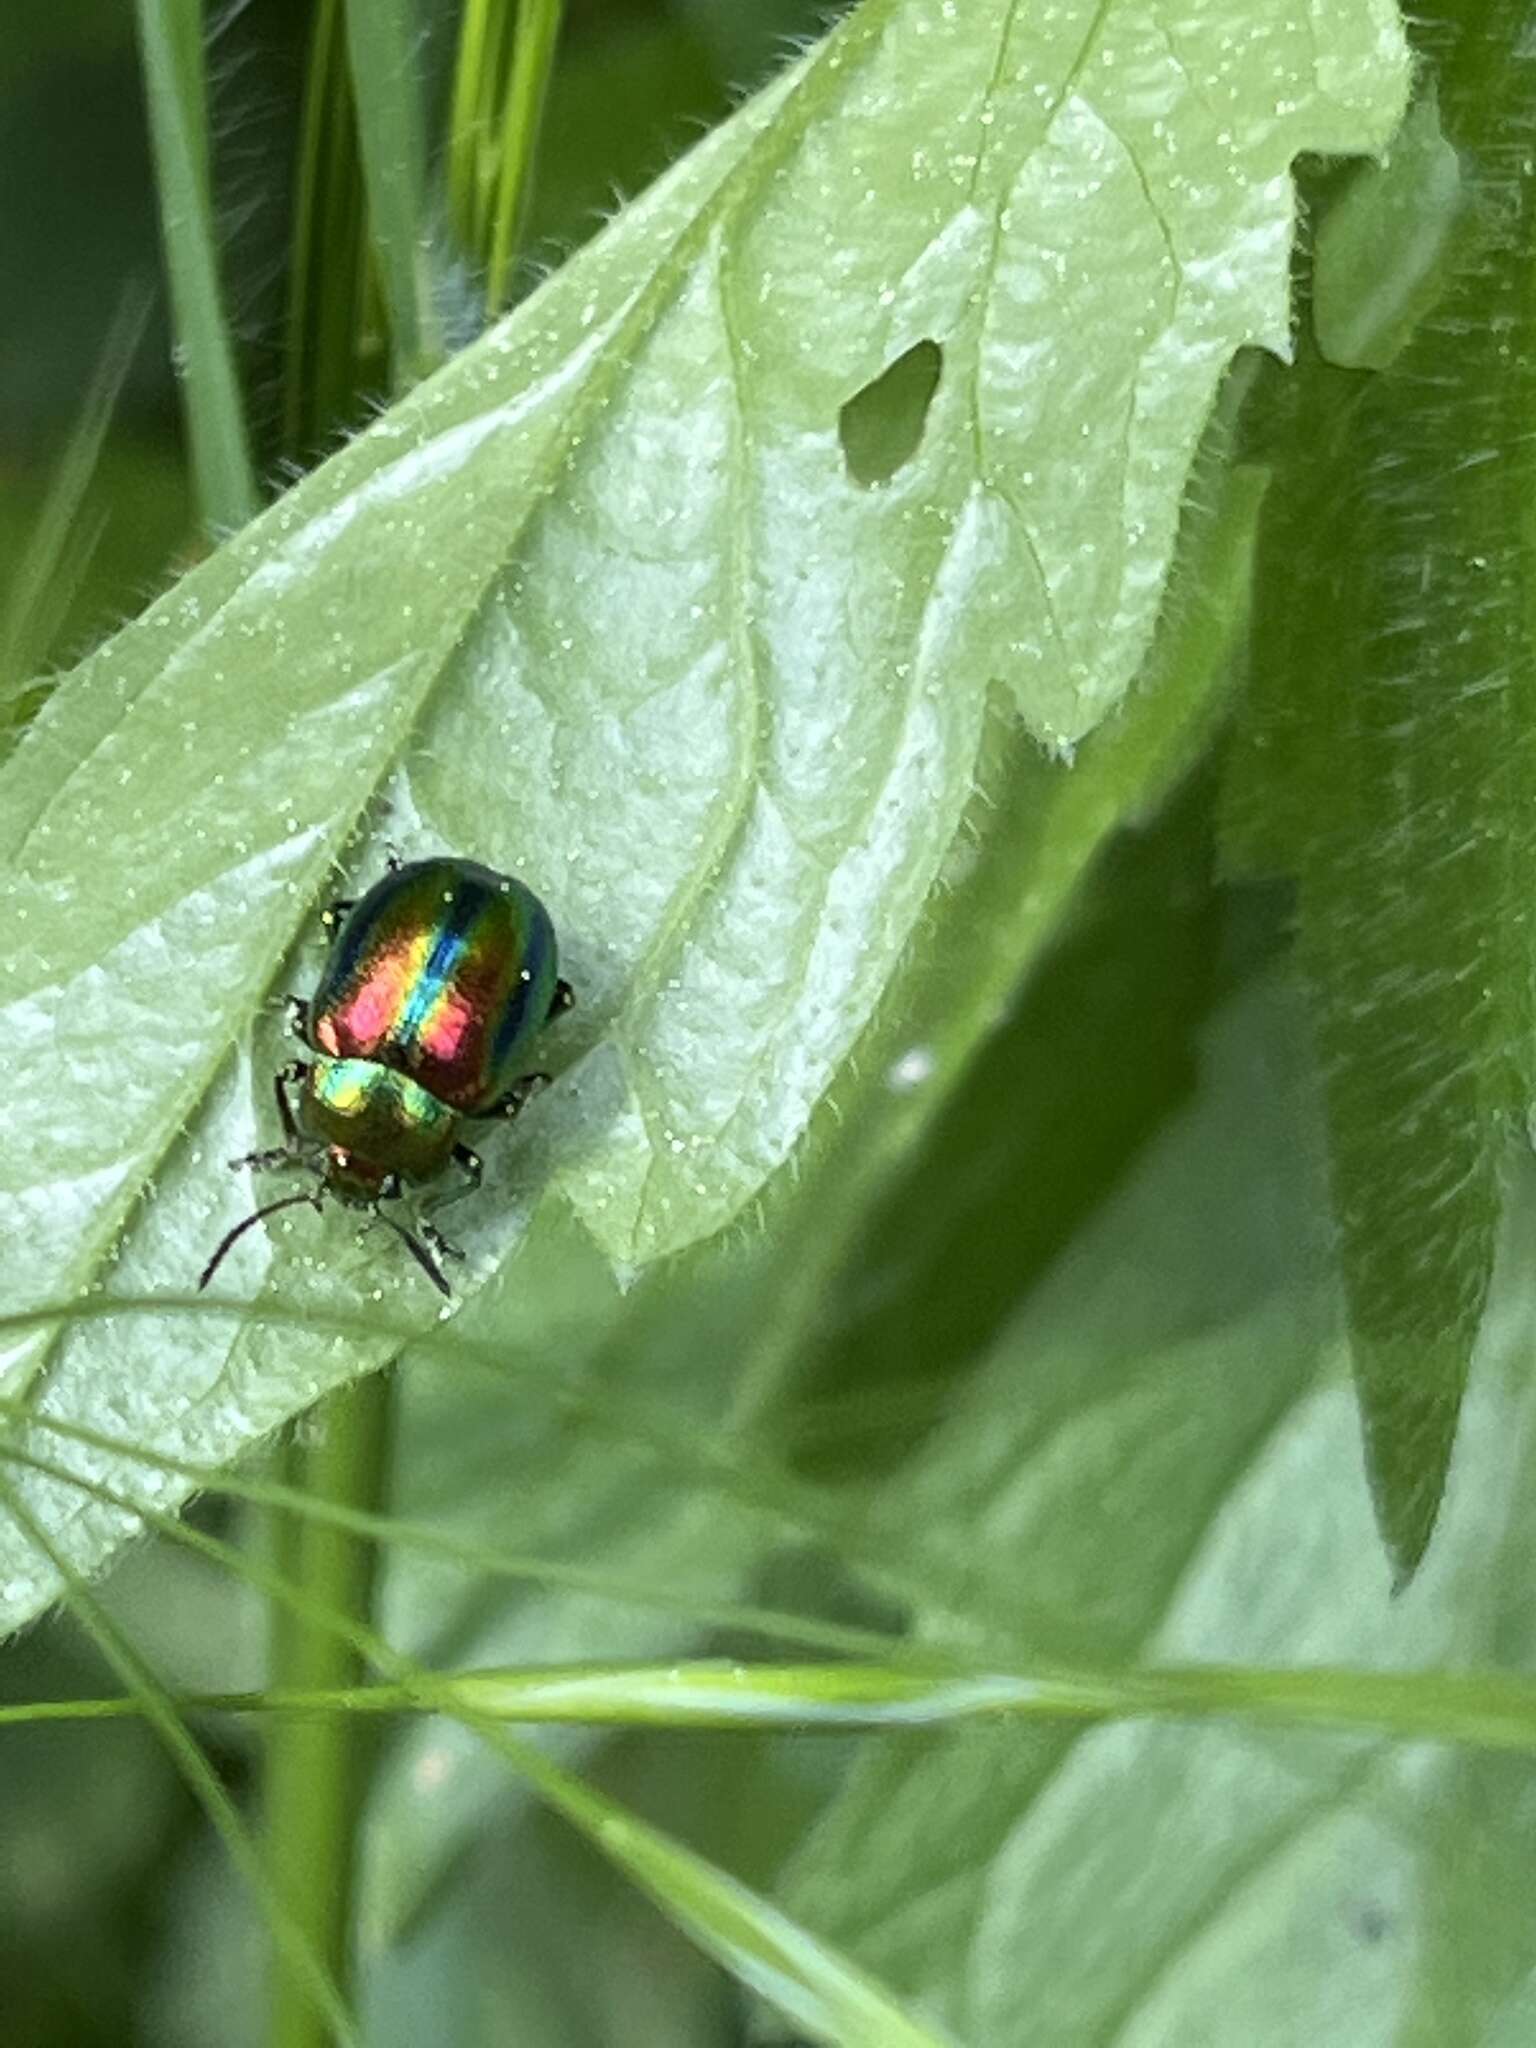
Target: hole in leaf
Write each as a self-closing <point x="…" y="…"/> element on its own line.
<point x="881" y="426"/>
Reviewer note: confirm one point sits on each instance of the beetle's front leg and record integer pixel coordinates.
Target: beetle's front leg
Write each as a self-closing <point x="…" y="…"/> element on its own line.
<point x="518" y="1095"/>
<point x="469" y="1164"/>
<point x="297" y="1012"/>
<point x="268" y="1161"/>
<point x="285" y="1078"/>
<point x="291" y="1151"/>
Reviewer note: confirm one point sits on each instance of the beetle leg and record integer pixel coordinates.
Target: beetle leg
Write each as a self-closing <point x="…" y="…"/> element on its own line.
<point x="269" y="1161"/>
<point x="419" y="1253"/>
<point x="438" y="1242"/>
<point x="333" y="913"/>
<point x="297" y="1011"/>
<point x="564" y="998"/>
<point x="518" y="1094"/>
<point x="291" y="1151"/>
<point x="282" y="1081"/>
<point x="468" y="1163"/>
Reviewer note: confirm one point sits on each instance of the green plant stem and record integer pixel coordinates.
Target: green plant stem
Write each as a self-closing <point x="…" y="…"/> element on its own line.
<point x="393" y="148"/>
<point x="1477" y="1710"/>
<point x="495" y="59"/>
<point x="317" y="1767"/>
<point x="533" y="60"/>
<point x="328" y="272"/>
<point x="170" y="39"/>
<point x="476" y="72"/>
<point x="305" y="221"/>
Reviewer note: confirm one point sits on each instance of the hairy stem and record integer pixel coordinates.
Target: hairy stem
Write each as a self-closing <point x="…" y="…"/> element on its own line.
<point x="533" y="60"/>
<point x="170" y="40"/>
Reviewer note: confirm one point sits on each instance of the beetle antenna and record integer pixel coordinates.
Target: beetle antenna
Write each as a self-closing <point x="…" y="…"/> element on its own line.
<point x="267" y="1209"/>
<point x="420" y="1254"/>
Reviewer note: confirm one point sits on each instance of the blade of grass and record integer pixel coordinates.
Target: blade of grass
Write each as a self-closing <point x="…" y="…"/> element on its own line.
<point x="60" y="545"/>
<point x="480" y="69"/>
<point x="1486" y="1710"/>
<point x="914" y="1684"/>
<point x="392" y="139"/>
<point x="170" y="39"/>
<point x="160" y="1710"/>
<point x="328" y="268"/>
<point x="466" y="118"/>
<point x="496" y="62"/>
<point x="301" y="259"/>
<point x="533" y="60"/>
<point x="816" y="1988"/>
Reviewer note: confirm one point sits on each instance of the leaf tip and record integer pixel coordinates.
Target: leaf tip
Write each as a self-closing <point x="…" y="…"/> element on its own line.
<point x="1410" y="1400"/>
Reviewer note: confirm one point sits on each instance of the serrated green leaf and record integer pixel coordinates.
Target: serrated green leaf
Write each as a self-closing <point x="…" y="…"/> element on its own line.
<point x="600" y="603"/>
<point x="554" y="1298"/>
<point x="1389" y="769"/>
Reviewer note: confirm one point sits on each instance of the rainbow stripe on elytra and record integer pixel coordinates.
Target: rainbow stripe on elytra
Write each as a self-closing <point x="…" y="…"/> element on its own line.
<point x="436" y="982"/>
<point x="441" y="972"/>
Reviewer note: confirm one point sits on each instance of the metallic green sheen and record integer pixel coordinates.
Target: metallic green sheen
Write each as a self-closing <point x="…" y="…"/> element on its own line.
<point x="358" y="1107"/>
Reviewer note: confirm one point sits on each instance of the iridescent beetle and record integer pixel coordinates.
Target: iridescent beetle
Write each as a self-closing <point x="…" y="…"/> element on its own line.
<point x="436" y="982"/>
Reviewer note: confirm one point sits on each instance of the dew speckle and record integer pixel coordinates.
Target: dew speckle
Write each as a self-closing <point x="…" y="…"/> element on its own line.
<point x="914" y="1067"/>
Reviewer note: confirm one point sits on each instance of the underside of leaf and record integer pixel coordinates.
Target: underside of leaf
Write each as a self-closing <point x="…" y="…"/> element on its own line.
<point x="602" y="604"/>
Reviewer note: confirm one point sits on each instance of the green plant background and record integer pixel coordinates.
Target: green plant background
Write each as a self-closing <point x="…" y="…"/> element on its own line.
<point x="959" y="1377"/>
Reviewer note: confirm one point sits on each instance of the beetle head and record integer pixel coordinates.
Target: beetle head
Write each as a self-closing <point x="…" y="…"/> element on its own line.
<point x="354" y="1180"/>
